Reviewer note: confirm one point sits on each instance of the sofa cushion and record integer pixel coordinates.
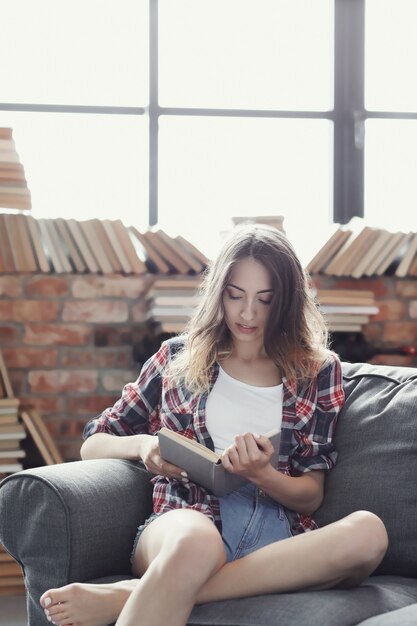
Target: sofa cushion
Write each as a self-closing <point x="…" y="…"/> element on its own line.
<point x="406" y="616"/>
<point x="376" y="438"/>
<point x="334" y="607"/>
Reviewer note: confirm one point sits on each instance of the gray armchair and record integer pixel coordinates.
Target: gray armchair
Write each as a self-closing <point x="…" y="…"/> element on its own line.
<point x="77" y="521"/>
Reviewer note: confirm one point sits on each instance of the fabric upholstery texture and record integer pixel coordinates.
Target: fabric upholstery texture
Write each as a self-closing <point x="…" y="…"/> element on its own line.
<point x="376" y="439"/>
<point x="77" y="521"/>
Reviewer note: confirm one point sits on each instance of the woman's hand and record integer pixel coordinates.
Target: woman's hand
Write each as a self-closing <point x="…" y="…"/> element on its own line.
<point x="150" y="454"/>
<point x="248" y="455"/>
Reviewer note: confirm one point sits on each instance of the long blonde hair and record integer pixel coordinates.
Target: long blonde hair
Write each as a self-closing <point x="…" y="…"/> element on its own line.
<point x="295" y="336"/>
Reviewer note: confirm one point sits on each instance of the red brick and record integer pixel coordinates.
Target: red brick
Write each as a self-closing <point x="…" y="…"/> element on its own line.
<point x="413" y="309"/>
<point x="10" y="286"/>
<point x="70" y="450"/>
<point x="390" y="310"/>
<point x="118" y="335"/>
<point x="392" y="359"/>
<point x="406" y="288"/>
<point x="57" y="334"/>
<point x="372" y="332"/>
<point x="109" y="286"/>
<point x="90" y="405"/>
<point x="382" y="287"/>
<point x="9" y="335"/>
<point x="99" y="358"/>
<point x="99" y="311"/>
<point x="30" y="357"/>
<point x="17" y="379"/>
<point x="116" y="380"/>
<point x="321" y="281"/>
<point x="44" y="404"/>
<point x="400" y="332"/>
<point x="51" y="286"/>
<point x="28" y="311"/>
<point x="71" y="428"/>
<point x="61" y="381"/>
<point x="140" y="311"/>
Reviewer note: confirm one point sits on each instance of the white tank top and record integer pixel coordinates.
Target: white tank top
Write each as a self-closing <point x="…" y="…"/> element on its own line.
<point x="234" y="408"/>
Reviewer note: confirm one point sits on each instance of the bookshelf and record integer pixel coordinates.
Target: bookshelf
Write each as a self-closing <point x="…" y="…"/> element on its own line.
<point x="17" y="426"/>
<point x="102" y="247"/>
<point x="358" y="250"/>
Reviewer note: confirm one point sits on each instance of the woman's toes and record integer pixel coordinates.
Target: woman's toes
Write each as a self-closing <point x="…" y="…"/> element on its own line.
<point x="48" y="599"/>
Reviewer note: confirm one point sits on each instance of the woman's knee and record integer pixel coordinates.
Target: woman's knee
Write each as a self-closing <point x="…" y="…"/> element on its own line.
<point x="366" y="539"/>
<point x="196" y="545"/>
<point x="181" y="540"/>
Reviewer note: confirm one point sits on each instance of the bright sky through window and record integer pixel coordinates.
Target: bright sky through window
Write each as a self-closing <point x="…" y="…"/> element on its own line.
<point x="245" y="54"/>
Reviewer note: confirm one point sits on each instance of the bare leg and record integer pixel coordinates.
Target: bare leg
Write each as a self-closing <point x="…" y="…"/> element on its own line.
<point x="177" y="553"/>
<point x="87" y="604"/>
<point x="341" y="554"/>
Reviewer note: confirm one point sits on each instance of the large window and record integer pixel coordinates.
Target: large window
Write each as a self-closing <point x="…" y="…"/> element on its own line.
<point x="194" y="111"/>
<point x="391" y="104"/>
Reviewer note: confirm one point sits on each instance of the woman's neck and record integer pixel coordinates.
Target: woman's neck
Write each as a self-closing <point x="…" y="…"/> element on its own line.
<point x="247" y="353"/>
<point x="253" y="367"/>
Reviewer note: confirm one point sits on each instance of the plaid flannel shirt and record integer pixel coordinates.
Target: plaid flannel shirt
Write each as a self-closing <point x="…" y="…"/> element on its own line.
<point x="308" y="423"/>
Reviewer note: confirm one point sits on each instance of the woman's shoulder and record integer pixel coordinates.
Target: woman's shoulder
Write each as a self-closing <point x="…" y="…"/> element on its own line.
<point x="329" y="377"/>
<point x="174" y="344"/>
<point x="330" y="360"/>
<point x="167" y="351"/>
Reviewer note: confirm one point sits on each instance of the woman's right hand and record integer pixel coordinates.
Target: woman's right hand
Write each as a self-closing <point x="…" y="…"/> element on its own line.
<point x="150" y="454"/>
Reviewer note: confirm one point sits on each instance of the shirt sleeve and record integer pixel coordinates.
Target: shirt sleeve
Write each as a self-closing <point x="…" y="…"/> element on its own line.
<point x="137" y="411"/>
<point x="318" y="411"/>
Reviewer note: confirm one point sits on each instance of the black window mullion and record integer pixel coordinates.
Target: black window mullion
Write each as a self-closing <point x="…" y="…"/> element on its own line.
<point x="349" y="110"/>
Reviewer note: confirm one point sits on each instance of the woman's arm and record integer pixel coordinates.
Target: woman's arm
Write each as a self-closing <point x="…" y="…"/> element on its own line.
<point x="104" y="445"/>
<point x="302" y="494"/>
<point x="249" y="456"/>
<point x="132" y="448"/>
<point x="128" y="429"/>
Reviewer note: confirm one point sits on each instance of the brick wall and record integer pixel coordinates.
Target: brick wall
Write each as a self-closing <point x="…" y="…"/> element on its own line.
<point x="393" y="331"/>
<point x="68" y="345"/>
<point x="68" y="340"/>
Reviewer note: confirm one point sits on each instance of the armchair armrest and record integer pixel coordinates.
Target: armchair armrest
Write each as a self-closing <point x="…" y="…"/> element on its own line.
<point x="72" y="522"/>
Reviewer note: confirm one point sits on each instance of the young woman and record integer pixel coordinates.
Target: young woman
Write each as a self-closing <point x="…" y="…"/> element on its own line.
<point x="254" y="357"/>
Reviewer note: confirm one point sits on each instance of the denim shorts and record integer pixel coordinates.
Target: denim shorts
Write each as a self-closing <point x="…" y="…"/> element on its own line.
<point x="251" y="520"/>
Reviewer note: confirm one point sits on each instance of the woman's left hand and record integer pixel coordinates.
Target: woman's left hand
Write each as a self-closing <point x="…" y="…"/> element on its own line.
<point x="248" y="455"/>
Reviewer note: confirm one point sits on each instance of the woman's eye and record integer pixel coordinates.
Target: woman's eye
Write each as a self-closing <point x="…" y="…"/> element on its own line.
<point x="265" y="301"/>
<point x="232" y="297"/>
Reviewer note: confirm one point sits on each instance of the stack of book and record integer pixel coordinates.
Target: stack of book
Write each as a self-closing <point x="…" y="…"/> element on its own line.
<point x="168" y="255"/>
<point x="11" y="431"/>
<point x="94" y="246"/>
<point x="346" y="310"/>
<point x="21" y="431"/>
<point x="14" y="192"/>
<point x="11" y="435"/>
<point x="11" y="577"/>
<point x="11" y="454"/>
<point x="172" y="302"/>
<point x="357" y="250"/>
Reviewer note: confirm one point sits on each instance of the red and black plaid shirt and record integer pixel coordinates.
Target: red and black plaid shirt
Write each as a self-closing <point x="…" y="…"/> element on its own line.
<point x="309" y="416"/>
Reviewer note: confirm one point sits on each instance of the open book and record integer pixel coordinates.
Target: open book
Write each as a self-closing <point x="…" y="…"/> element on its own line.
<point x="202" y="464"/>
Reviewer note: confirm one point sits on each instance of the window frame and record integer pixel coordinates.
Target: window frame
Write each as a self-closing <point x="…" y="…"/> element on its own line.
<point x="348" y="116"/>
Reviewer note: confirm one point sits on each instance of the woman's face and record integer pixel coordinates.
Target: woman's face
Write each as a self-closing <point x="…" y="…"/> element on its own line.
<point x="247" y="298"/>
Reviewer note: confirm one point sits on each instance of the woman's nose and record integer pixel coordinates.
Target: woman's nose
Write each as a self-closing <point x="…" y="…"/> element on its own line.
<point x="247" y="312"/>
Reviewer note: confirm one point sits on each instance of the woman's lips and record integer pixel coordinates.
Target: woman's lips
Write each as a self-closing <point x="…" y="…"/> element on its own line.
<point x="247" y="330"/>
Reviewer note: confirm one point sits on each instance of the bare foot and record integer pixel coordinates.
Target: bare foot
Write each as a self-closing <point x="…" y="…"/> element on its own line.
<point x="81" y="604"/>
